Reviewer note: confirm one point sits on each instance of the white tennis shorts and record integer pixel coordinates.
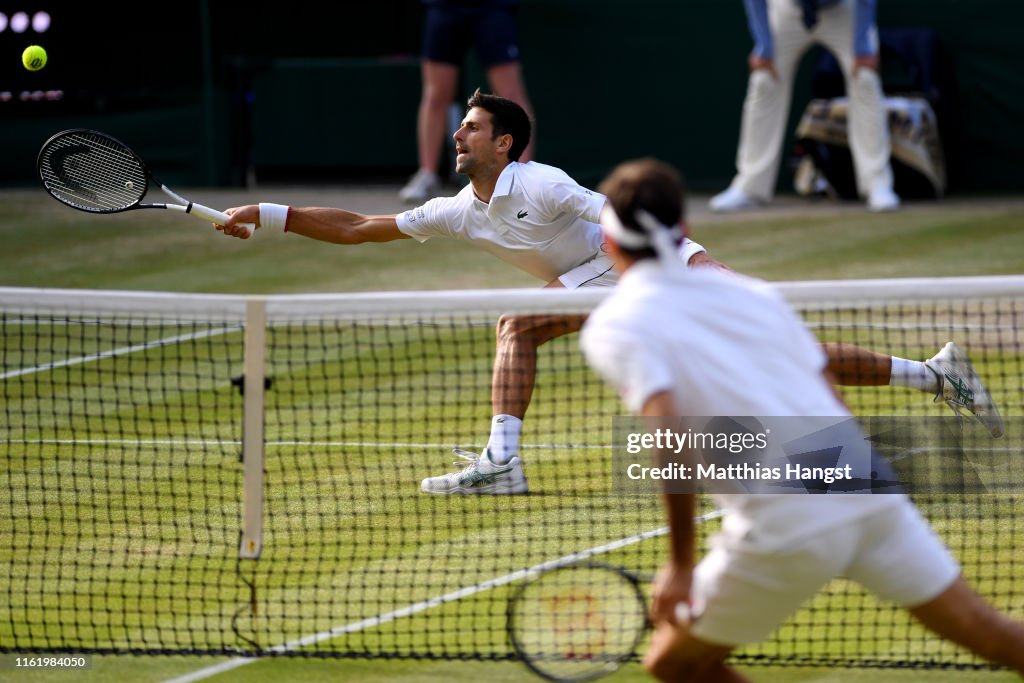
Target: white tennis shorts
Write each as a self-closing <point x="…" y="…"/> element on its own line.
<point x="741" y="594"/>
<point x="597" y="272"/>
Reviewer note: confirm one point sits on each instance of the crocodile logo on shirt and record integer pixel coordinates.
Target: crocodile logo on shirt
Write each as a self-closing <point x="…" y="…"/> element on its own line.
<point x="522" y="214"/>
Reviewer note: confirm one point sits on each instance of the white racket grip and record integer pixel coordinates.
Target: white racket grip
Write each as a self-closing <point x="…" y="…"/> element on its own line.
<point x="682" y="613"/>
<point x="214" y="216"/>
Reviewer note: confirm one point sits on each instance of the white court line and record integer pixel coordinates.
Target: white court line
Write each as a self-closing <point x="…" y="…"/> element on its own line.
<point x="117" y="352"/>
<point x="311" y="444"/>
<point x="432" y="602"/>
<point x="378" y="444"/>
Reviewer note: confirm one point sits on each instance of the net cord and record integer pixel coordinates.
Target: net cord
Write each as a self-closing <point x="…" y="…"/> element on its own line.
<point x="290" y="307"/>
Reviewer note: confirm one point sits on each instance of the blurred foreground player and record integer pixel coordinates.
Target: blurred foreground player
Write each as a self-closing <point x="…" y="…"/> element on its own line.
<point x="676" y="341"/>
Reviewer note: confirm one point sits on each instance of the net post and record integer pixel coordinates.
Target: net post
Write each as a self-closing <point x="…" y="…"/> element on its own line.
<point x="253" y="429"/>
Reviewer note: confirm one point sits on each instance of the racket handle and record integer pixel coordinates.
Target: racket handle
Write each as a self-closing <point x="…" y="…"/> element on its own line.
<point x="214" y="216"/>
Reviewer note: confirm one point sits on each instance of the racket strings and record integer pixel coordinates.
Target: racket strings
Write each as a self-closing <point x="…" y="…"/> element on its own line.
<point x="578" y="623"/>
<point x="92" y="173"/>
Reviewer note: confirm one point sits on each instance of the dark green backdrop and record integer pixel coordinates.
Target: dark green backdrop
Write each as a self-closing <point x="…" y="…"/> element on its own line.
<point x="329" y="90"/>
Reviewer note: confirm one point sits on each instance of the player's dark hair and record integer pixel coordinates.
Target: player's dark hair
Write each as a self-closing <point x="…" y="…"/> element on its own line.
<point x="646" y="184"/>
<point x="507" y="118"/>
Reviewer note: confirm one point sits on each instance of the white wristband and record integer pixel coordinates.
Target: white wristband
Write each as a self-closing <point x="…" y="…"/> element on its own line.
<point x="687" y="249"/>
<point x="274" y="216"/>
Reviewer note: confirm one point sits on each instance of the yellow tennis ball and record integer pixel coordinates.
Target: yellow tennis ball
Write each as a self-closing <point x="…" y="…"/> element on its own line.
<point x="34" y="58"/>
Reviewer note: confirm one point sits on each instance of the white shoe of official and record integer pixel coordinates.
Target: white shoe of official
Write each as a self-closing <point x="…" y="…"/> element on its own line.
<point x="882" y="199"/>
<point x="422" y="186"/>
<point x="479" y="475"/>
<point x="734" y="199"/>
<point x="960" y="387"/>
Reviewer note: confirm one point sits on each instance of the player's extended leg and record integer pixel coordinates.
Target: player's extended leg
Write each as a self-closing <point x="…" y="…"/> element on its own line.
<point x="899" y="558"/>
<point x="515" y="373"/>
<point x="962" y="616"/>
<point x="948" y="375"/>
<point x="515" y="361"/>
<point x="853" y="365"/>
<point x="498" y="469"/>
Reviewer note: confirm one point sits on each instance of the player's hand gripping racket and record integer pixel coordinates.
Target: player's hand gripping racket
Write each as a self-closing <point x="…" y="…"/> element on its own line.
<point x="578" y="622"/>
<point x="91" y="171"/>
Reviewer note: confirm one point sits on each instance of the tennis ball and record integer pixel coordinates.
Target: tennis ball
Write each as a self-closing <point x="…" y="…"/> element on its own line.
<point x="34" y="58"/>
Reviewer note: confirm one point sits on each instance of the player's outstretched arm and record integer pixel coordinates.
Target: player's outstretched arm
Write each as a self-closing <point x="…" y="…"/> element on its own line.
<point x="673" y="585"/>
<point x="325" y="224"/>
<point x="703" y="259"/>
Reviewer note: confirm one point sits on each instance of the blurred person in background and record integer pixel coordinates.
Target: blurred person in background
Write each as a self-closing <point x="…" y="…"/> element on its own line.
<point x="782" y="31"/>
<point x="450" y="28"/>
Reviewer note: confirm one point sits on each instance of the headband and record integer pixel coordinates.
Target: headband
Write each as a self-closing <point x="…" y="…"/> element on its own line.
<point x="656" y="236"/>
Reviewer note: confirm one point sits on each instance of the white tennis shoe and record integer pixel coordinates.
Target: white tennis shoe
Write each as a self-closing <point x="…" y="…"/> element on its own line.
<point x="423" y="185"/>
<point x="734" y="199"/>
<point x="479" y="475"/>
<point x="882" y="199"/>
<point x="960" y="387"/>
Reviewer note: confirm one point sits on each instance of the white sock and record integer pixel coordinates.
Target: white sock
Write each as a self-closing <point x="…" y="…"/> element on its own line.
<point x="504" y="441"/>
<point x="913" y="374"/>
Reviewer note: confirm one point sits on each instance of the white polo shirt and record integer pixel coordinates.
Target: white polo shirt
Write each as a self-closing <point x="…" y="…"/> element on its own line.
<point x="539" y="220"/>
<point x="723" y="345"/>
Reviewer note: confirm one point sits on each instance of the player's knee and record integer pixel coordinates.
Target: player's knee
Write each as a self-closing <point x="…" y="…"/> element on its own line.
<point x="535" y="330"/>
<point x="509" y="327"/>
<point x="518" y="327"/>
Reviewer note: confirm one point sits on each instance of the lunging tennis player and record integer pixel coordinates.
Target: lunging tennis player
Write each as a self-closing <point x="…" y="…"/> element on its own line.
<point x="702" y="342"/>
<point x="538" y="219"/>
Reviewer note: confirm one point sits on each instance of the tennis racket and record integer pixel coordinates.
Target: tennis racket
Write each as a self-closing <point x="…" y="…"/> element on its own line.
<point x="93" y="172"/>
<point x="578" y="622"/>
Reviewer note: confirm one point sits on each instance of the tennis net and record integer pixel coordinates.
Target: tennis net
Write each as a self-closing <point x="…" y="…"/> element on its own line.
<point x="204" y="474"/>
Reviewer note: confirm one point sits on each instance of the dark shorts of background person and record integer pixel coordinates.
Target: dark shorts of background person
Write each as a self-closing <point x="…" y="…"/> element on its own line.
<point x="450" y="29"/>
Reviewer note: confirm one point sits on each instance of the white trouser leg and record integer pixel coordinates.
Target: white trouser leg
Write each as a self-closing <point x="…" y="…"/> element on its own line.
<point x="765" y="110"/>
<point x="868" y="123"/>
<point x="766" y="107"/>
<point x="869" y="131"/>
